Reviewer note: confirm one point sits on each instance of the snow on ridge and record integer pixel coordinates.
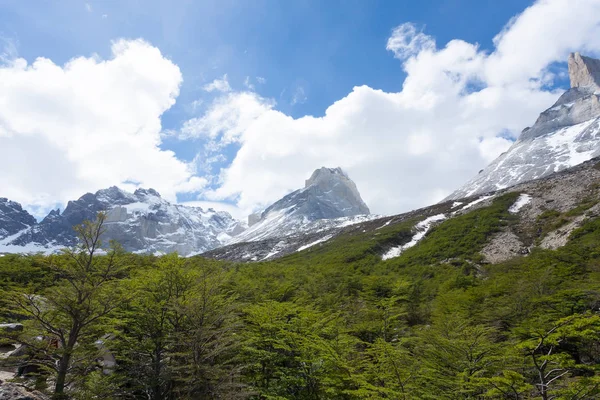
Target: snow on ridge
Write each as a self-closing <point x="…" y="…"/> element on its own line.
<point x="422" y="229"/>
<point x="137" y="207"/>
<point x="30" y="248"/>
<point x="323" y="239"/>
<point x="521" y="201"/>
<point x="384" y="225"/>
<point x="479" y="200"/>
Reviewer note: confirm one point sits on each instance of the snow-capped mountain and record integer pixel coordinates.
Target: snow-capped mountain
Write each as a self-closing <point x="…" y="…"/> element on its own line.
<point x="329" y="197"/>
<point x="141" y="222"/>
<point x="13" y="218"/>
<point x="565" y="135"/>
<point x="328" y="203"/>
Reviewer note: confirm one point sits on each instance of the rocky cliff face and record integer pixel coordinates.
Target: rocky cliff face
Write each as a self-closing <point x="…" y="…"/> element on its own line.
<point x="565" y="135"/>
<point x="141" y="221"/>
<point x="13" y="218"/>
<point x="583" y="71"/>
<point x="329" y="197"/>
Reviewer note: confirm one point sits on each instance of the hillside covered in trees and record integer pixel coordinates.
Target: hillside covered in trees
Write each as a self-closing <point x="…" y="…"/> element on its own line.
<point x="334" y="321"/>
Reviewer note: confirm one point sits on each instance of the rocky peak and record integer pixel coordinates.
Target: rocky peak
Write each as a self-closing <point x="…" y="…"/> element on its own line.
<point x="328" y="194"/>
<point x="583" y="71"/>
<point x="13" y="218"/>
<point x="565" y="135"/>
<point x="324" y="176"/>
<point x="146" y="192"/>
<point x="336" y="183"/>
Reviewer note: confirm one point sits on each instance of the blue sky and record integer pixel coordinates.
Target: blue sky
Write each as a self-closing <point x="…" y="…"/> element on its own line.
<point x="305" y="57"/>
<point x="318" y="50"/>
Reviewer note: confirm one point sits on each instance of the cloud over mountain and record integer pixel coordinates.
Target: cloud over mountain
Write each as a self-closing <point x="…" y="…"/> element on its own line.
<point x="88" y="124"/>
<point x="458" y="108"/>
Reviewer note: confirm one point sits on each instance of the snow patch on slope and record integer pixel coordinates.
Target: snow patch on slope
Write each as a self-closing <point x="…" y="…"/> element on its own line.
<point x="422" y="229"/>
<point x="471" y="204"/>
<point x="323" y="239"/>
<point x="521" y="201"/>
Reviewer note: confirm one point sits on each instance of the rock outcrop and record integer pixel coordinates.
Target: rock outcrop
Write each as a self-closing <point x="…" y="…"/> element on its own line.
<point x="565" y="135"/>
<point x="583" y="71"/>
<point x="13" y="218"/>
<point x="14" y="391"/>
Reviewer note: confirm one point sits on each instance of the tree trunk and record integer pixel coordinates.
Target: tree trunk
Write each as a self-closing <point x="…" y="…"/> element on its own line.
<point x="61" y="377"/>
<point x="64" y="362"/>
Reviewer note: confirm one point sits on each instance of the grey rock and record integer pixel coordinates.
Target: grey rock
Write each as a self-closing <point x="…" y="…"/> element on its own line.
<point x="253" y="219"/>
<point x="13" y="218"/>
<point x="583" y="71"/>
<point x="14" y="391"/>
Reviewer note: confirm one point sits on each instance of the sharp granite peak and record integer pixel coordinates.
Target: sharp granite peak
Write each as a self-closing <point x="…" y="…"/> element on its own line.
<point x="565" y="135"/>
<point x="329" y="194"/>
<point x="141" y="222"/>
<point x="583" y="71"/>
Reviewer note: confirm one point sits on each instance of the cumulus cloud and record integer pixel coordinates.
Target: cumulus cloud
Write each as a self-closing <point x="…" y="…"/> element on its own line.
<point x="408" y="149"/>
<point x="227" y="118"/>
<point x="219" y="85"/>
<point x="88" y="124"/>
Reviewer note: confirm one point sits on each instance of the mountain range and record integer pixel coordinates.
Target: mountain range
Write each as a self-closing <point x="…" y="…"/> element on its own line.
<point x="141" y="222"/>
<point x="563" y="138"/>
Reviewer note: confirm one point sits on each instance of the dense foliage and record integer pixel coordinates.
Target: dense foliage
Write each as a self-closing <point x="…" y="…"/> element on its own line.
<point x="331" y="322"/>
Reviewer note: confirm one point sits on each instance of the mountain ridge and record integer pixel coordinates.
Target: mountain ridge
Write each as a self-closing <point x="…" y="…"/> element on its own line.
<point x="141" y="221"/>
<point x="563" y="136"/>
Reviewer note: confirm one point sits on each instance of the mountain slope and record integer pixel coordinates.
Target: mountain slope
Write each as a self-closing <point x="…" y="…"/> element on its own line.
<point x="565" y="135"/>
<point x="141" y="221"/>
<point x="543" y="213"/>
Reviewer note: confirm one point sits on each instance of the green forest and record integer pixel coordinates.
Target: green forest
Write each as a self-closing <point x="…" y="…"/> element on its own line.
<point x="331" y="322"/>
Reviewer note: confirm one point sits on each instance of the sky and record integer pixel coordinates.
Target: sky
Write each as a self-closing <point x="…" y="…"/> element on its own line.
<point x="232" y="104"/>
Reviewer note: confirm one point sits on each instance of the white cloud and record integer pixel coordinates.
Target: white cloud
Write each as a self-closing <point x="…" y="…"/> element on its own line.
<point x="407" y="41"/>
<point x="228" y="117"/>
<point x="219" y="85"/>
<point x="195" y="105"/>
<point x="299" y="96"/>
<point x="9" y="52"/>
<point x="261" y="80"/>
<point x="407" y="149"/>
<point x="87" y="125"/>
<point x="235" y="211"/>
<point x="88" y="7"/>
<point x="248" y="84"/>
